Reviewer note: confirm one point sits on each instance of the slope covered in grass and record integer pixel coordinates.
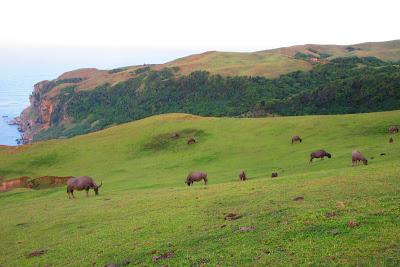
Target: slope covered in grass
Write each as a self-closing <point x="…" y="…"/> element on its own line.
<point x="262" y="63"/>
<point x="345" y="85"/>
<point x="144" y="208"/>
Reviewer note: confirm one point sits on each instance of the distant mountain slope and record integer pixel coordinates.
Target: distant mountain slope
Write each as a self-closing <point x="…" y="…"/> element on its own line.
<point x="343" y="85"/>
<point x="283" y="81"/>
<point x="389" y="50"/>
<point x="269" y="63"/>
<point x="266" y="64"/>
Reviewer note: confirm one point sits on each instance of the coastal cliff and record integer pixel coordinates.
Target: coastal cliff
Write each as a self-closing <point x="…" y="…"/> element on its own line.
<point x="37" y="116"/>
<point x="298" y="80"/>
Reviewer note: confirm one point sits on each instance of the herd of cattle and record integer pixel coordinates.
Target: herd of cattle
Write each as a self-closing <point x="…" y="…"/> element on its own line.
<point x="87" y="183"/>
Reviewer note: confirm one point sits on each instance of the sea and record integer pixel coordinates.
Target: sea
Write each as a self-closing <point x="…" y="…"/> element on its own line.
<point x="15" y="89"/>
<point x="22" y="67"/>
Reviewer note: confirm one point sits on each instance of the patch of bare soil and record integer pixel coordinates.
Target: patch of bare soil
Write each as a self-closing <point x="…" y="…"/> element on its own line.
<point x="246" y="228"/>
<point x="37" y="183"/>
<point x="165" y="255"/>
<point x="340" y="205"/>
<point x="232" y="216"/>
<point x="330" y="214"/>
<point x="352" y="223"/>
<point x="36" y="253"/>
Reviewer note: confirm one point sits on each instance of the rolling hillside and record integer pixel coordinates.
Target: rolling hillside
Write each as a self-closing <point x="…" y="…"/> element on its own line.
<point x="267" y="63"/>
<point x="145" y="215"/>
<point x="344" y="85"/>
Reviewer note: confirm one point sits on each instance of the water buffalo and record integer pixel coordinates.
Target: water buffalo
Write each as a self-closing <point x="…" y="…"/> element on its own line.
<point x="82" y="183"/>
<point x="191" y="141"/>
<point x="296" y="139"/>
<point x="274" y="175"/>
<point x="393" y="129"/>
<point x="319" y="154"/>
<point x="356" y="157"/>
<point x="195" y="177"/>
<point x="242" y="176"/>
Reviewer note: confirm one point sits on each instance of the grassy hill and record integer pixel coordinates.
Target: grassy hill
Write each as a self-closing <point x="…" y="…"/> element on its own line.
<point x="144" y="208"/>
<point x="264" y="63"/>
<point x="249" y="84"/>
<point x="268" y="63"/>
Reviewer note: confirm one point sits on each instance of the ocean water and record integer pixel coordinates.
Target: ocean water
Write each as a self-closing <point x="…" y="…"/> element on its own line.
<point x="15" y="89"/>
<point x="23" y="66"/>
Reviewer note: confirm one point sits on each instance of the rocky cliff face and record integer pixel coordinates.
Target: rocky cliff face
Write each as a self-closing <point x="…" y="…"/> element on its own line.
<point x="37" y="116"/>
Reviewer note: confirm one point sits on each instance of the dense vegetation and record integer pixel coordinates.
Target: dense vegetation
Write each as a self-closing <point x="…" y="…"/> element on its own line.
<point x="344" y="85"/>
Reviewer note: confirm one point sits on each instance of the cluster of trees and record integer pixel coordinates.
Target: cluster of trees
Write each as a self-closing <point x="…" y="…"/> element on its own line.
<point x="370" y="90"/>
<point x="344" y="85"/>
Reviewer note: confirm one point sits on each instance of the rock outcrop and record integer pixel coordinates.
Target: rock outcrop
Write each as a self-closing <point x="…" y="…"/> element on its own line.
<point x="36" y="183"/>
<point x="37" y="116"/>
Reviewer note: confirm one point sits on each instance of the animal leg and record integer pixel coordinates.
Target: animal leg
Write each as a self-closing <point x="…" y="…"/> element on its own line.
<point x="87" y="192"/>
<point x="72" y="193"/>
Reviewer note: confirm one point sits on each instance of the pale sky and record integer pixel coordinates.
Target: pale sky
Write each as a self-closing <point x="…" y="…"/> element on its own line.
<point x="207" y="24"/>
<point x="106" y="34"/>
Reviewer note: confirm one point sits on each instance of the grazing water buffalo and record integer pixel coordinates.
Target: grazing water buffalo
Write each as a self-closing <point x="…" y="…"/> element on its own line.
<point x="319" y="154"/>
<point x="296" y="139"/>
<point x="195" y="177"/>
<point x="393" y="129"/>
<point x="242" y="176"/>
<point x="274" y="175"/>
<point x="356" y="157"/>
<point x="82" y="183"/>
<point x="191" y="141"/>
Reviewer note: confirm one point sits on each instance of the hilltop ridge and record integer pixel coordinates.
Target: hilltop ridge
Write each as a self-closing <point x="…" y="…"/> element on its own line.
<point x="270" y="82"/>
<point x="266" y="63"/>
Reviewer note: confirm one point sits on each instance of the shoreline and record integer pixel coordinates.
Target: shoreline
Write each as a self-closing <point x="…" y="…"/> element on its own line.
<point x="10" y="137"/>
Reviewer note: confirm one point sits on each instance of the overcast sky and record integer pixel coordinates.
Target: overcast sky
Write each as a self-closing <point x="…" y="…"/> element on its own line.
<point x="164" y="29"/>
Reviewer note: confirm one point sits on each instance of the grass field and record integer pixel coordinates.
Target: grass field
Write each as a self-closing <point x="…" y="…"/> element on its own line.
<point x="263" y="63"/>
<point x="145" y="210"/>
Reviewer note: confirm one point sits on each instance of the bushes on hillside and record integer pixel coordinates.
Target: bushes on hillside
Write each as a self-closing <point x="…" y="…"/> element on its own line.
<point x="345" y="85"/>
